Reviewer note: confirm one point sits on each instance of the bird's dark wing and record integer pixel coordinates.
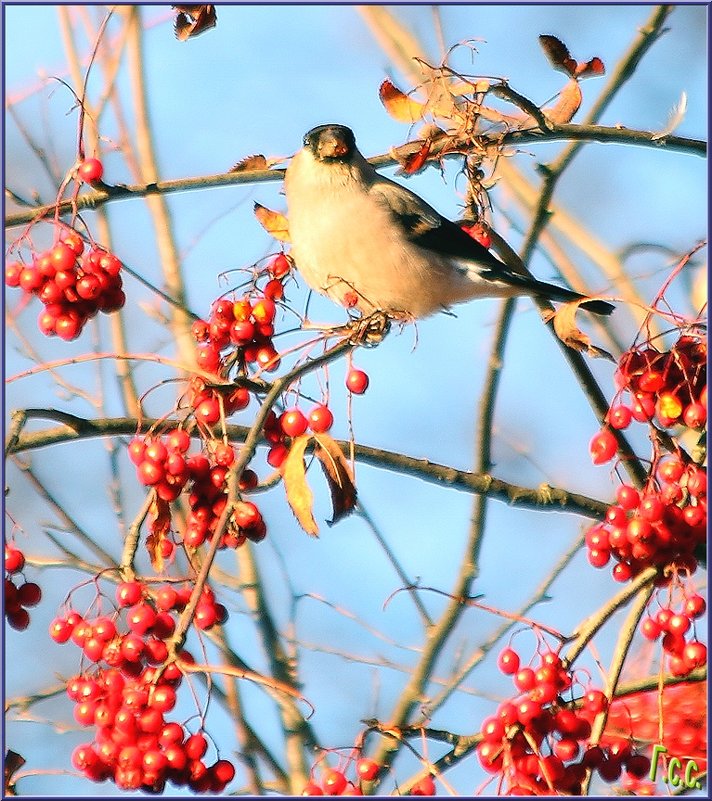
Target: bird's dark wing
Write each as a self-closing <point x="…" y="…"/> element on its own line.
<point x="428" y="229"/>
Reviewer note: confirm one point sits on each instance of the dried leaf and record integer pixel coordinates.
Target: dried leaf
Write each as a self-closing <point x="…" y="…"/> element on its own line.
<point x="299" y="494"/>
<point x="571" y="335"/>
<point x="567" y="104"/>
<point x="338" y="476"/>
<point x="593" y="66"/>
<point x="256" y="162"/>
<point x="399" y="105"/>
<point x="558" y="54"/>
<point x="159" y="528"/>
<point x="273" y="222"/>
<point x="194" y="20"/>
<point x="13" y="763"/>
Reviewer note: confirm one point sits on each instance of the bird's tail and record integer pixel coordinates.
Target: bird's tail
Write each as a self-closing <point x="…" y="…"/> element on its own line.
<point x="542" y="289"/>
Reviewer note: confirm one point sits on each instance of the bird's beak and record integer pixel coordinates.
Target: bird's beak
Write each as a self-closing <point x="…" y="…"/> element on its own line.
<point x="331" y="147"/>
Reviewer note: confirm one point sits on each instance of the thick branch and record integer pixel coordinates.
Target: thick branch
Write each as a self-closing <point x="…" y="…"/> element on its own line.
<point x="542" y="497"/>
<point x="555" y="133"/>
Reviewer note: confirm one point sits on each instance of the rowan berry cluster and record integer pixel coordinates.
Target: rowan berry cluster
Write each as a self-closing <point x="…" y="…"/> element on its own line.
<point x="73" y="285"/>
<point x="131" y="688"/>
<point x="675" y="624"/>
<point x="677" y="720"/>
<point x="18" y="597"/>
<point x="236" y="336"/>
<point x="163" y="462"/>
<point x="539" y="744"/>
<point x="665" y="522"/>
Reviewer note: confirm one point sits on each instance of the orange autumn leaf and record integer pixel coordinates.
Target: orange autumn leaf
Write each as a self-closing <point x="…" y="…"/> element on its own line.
<point x="399" y="105"/>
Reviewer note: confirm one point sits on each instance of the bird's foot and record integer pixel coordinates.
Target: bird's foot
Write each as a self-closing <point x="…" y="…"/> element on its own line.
<point x="370" y="330"/>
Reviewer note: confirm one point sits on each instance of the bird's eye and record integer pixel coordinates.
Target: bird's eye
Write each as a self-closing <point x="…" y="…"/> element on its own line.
<point x="305" y="141"/>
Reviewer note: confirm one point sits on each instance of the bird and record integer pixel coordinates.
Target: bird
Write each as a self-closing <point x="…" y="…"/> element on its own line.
<point x="373" y="246"/>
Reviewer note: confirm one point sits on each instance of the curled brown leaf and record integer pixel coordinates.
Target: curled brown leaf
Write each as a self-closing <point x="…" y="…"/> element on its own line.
<point x="338" y="474"/>
<point x="571" y="335"/>
<point x="192" y="20"/>
<point x="256" y="162"/>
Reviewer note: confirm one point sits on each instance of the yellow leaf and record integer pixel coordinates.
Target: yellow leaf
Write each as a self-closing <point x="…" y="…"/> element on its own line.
<point x="299" y="494"/>
<point x="399" y="105"/>
<point x="338" y="476"/>
<point x="273" y="222"/>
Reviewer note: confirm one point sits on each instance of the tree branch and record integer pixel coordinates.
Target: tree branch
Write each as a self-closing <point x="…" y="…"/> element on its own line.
<point x="582" y="133"/>
<point x="541" y="498"/>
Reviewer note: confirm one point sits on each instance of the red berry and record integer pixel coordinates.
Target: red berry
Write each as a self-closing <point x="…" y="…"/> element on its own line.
<point x="525" y="680"/>
<point x="603" y="446"/>
<point x="63" y="257"/>
<point x="333" y="782"/>
<point x="13" y="271"/>
<point x="14" y="559"/>
<point x="208" y="411"/>
<point x="277" y="454"/>
<point x="424" y="786"/>
<point x="264" y="310"/>
<point x="224" y="771"/>
<point x="320" y="419"/>
<point x="508" y="661"/>
<point x="195" y="746"/>
<point x="694" y="655"/>
<point x="29" y="594"/>
<point x="129" y="593"/>
<point x="293" y="423"/>
<point x="650" y="628"/>
<point x="274" y="289"/>
<point x="90" y="170"/>
<point x="60" y="630"/>
<point x="619" y="417"/>
<point x="695" y="415"/>
<point x="280" y="266"/>
<point x="695" y="606"/>
<point x="357" y="381"/>
<point x="366" y="769"/>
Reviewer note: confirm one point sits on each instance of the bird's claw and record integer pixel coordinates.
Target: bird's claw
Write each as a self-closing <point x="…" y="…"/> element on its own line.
<point x="371" y="330"/>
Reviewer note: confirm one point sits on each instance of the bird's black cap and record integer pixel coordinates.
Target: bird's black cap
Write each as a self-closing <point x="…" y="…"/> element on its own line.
<point x="331" y="142"/>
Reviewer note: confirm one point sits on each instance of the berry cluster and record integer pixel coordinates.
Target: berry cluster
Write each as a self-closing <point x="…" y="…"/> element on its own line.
<point x="278" y="430"/>
<point x="662" y="524"/>
<point x="676" y="721"/>
<point x="676" y="627"/>
<point x="73" y="285"/>
<point x="163" y="462"/>
<point x="18" y="597"/>
<point x="130" y="690"/>
<point x="539" y="744"/>
<point x="670" y="386"/>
